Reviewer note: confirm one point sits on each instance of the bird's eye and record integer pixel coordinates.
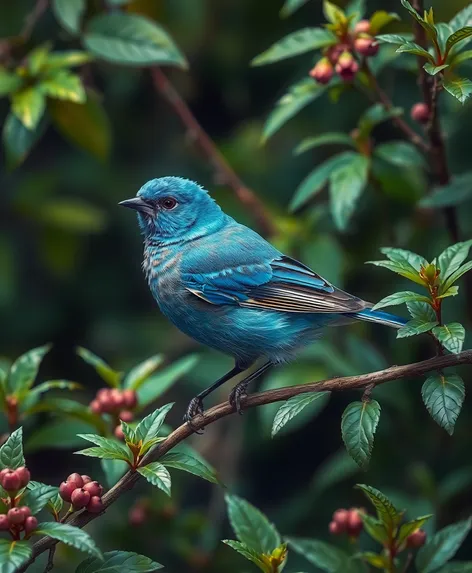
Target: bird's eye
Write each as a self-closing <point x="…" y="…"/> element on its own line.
<point x="169" y="203"/>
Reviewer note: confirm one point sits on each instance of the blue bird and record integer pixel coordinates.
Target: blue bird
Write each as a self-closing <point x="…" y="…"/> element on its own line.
<point x="225" y="286"/>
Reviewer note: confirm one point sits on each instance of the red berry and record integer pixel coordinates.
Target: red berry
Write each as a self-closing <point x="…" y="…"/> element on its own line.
<point x="116" y="397"/>
<point x="4" y="523"/>
<point x="334" y="52"/>
<point x="354" y="523"/>
<point x="11" y="481"/>
<point x="86" y="479"/>
<point x="341" y="517"/>
<point x="96" y="407"/>
<point x="362" y="27"/>
<point x="25" y="510"/>
<point x="94" y="488"/>
<point x="95" y="505"/>
<point x="24" y="475"/>
<point x="66" y="489"/>
<point x="137" y="515"/>
<point x="347" y="67"/>
<point x="104" y="399"/>
<point x="130" y="398"/>
<point x="420" y="112"/>
<point x="3" y="472"/>
<point x="16" y="516"/>
<point x="366" y="45"/>
<point x="323" y="71"/>
<point x="335" y="528"/>
<point x="119" y="433"/>
<point x="76" y="479"/>
<point x="416" y="539"/>
<point x="126" y="416"/>
<point x="31" y="523"/>
<point x="80" y="498"/>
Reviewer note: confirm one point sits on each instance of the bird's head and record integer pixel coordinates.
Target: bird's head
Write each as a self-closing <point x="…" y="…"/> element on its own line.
<point x="172" y="207"/>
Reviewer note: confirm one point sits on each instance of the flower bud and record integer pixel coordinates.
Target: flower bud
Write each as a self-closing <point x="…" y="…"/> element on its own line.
<point x="4" y="522"/>
<point x="24" y="475"/>
<point x="130" y="398"/>
<point x="347" y="67"/>
<point x="94" y="488"/>
<point x="362" y="27"/>
<point x="126" y="415"/>
<point x="16" y="516"/>
<point x="354" y="523"/>
<point x="366" y="45"/>
<point x="416" y="539"/>
<point x="420" y="112"/>
<point x="333" y="52"/>
<point x="80" y="498"/>
<point x="95" y="505"/>
<point x="66" y="489"/>
<point x="119" y="433"/>
<point x="335" y="528"/>
<point x="11" y="481"/>
<point x="76" y="479"/>
<point x="86" y="479"/>
<point x="323" y="71"/>
<point x="95" y="406"/>
<point x="31" y="523"/>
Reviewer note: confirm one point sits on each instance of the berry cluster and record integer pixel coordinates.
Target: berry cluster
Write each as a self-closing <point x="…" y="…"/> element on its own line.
<point x="17" y="519"/>
<point x="118" y="403"/>
<point x="340" y="59"/>
<point x="347" y="521"/>
<point x="81" y="491"/>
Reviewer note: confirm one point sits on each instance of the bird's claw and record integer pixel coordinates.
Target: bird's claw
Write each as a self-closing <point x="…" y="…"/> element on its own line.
<point x="236" y="395"/>
<point x="194" y="409"/>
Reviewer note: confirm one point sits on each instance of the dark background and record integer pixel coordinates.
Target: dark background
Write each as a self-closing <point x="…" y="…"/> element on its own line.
<point x="70" y="274"/>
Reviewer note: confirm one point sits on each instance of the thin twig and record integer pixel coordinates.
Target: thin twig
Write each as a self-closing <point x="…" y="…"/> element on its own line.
<point x="80" y="519"/>
<point x="408" y="562"/>
<point x="50" y="563"/>
<point x="225" y="172"/>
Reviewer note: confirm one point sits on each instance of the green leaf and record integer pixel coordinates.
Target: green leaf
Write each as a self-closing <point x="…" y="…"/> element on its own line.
<point x="190" y="464"/>
<point x="154" y="386"/>
<point x="299" y="42"/>
<point x="290" y="6"/>
<point x="456" y="192"/>
<point x="85" y="125"/>
<point x="346" y="185"/>
<point x="410" y="527"/>
<point x="139" y="374"/>
<point x="380" y="19"/>
<point x="402" y="269"/>
<point x="157" y="475"/>
<point x="73" y="536"/>
<point x="458" y="36"/>
<point x="131" y="39"/>
<point x="295" y="405"/>
<point x="451" y="336"/>
<point x="13" y="554"/>
<point x="421" y="311"/>
<point x="113" y="470"/>
<point x="358" y="426"/>
<point x="108" y="448"/>
<point x="442" y="546"/>
<point x="251" y="526"/>
<point x="443" y="397"/>
<point x="248" y="553"/>
<point x="317" y="179"/>
<point x="321" y="554"/>
<point x="299" y="95"/>
<point x="11" y="453"/>
<point x="403" y="257"/>
<point x="63" y="85"/>
<point x="451" y="279"/>
<point x="386" y="511"/>
<point x="375" y="115"/>
<point x="462" y="18"/>
<point x="417" y="50"/>
<point x="414" y="327"/>
<point x="399" y="298"/>
<point x="25" y="369"/>
<point x="452" y="258"/>
<point x="111" y="377"/>
<point x="66" y="59"/>
<point x="374" y="559"/>
<point x="456" y="567"/>
<point x="9" y="82"/>
<point x="460" y="88"/>
<point x="151" y="424"/>
<point x="333" y="13"/>
<point x="355" y="10"/>
<point x="432" y="69"/>
<point x="118" y="562"/>
<point x="393" y="39"/>
<point x="374" y="527"/>
<point x="400" y="153"/>
<point x="430" y="28"/>
<point x="28" y="105"/>
<point x="18" y="140"/>
<point x="38" y="495"/>
<point x="51" y="385"/>
<point x="36" y="59"/>
<point x="70" y="408"/>
<point x="69" y="14"/>
<point x="55" y="505"/>
<point x="333" y="138"/>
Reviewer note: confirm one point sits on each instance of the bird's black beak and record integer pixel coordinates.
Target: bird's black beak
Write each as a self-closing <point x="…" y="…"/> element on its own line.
<point x="138" y="204"/>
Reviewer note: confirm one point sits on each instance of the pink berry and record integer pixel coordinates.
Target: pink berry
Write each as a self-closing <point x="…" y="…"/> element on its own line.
<point x="335" y="528"/>
<point x="65" y="490"/>
<point x="366" y="45"/>
<point x="130" y="398"/>
<point x="3" y="472"/>
<point x="137" y="515"/>
<point x="86" y="479"/>
<point x="96" y="407"/>
<point x="126" y="416"/>
<point x="105" y="400"/>
<point x="347" y="67"/>
<point x="341" y="517"/>
<point x="334" y="52"/>
<point x="416" y="539"/>
<point x="31" y="523"/>
<point x="76" y="479"/>
<point x="24" y="475"/>
<point x="95" y="504"/>
<point x="116" y="397"/>
<point x="362" y="27"/>
<point x="4" y="523"/>
<point x="25" y="510"/>
<point x="16" y="516"/>
<point x="323" y="71"/>
<point x="354" y="523"/>
<point x="119" y="433"/>
<point x="420" y="112"/>
<point x="11" y="481"/>
<point x="94" y="488"/>
<point x="80" y="498"/>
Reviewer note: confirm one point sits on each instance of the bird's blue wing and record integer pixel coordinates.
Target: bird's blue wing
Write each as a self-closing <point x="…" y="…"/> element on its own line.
<point x="249" y="272"/>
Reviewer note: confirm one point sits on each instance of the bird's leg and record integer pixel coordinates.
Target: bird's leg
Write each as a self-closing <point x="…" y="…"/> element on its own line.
<point x="195" y="406"/>
<point x="239" y="391"/>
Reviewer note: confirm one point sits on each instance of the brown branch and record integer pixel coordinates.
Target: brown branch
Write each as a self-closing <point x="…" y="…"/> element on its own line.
<point x="225" y="172"/>
<point x="80" y="519"/>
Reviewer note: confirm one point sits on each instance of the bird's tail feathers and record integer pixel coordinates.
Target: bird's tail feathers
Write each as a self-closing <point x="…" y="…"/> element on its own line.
<point x="381" y="317"/>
